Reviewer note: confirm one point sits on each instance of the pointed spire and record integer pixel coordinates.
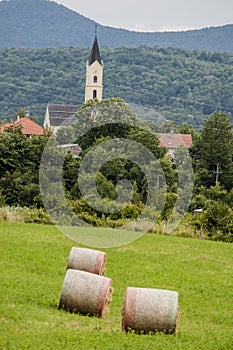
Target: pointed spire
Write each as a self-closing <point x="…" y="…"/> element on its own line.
<point x="95" y="52"/>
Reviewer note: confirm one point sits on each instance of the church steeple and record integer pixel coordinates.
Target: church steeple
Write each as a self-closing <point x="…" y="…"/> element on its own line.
<point x="94" y="73"/>
<point x="95" y="53"/>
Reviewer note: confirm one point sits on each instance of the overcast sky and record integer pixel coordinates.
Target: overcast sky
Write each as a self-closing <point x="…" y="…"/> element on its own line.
<point x="155" y="15"/>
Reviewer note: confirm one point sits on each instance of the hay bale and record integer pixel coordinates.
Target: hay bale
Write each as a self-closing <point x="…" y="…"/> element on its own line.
<point x="86" y="293"/>
<point x="150" y="310"/>
<point x="88" y="260"/>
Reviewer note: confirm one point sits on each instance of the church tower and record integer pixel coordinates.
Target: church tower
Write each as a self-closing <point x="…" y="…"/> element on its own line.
<point x="94" y="74"/>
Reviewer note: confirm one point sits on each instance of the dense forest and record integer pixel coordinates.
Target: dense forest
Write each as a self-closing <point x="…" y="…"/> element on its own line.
<point x="43" y="23"/>
<point x="121" y="174"/>
<point x="160" y="83"/>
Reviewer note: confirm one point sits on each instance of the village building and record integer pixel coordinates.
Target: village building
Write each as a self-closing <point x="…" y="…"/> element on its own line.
<point x="58" y="115"/>
<point x="94" y="74"/>
<point x="173" y="141"/>
<point x="27" y="126"/>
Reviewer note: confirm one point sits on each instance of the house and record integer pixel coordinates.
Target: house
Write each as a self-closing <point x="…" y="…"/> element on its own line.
<point x="28" y="127"/>
<point x="173" y="141"/>
<point x="58" y="115"/>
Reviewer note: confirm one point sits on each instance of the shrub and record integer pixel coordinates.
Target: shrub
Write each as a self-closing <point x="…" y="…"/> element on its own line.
<point x="24" y="215"/>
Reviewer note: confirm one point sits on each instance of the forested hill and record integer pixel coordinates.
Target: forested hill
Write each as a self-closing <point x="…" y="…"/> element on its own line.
<point x="171" y="83"/>
<point x="43" y="23"/>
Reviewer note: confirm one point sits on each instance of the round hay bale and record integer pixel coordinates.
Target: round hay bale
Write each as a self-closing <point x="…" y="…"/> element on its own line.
<point x="150" y="310"/>
<point x="88" y="260"/>
<point x="86" y="293"/>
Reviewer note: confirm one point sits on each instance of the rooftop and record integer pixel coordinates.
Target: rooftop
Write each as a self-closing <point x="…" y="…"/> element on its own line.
<point x="172" y="141"/>
<point x="95" y="53"/>
<point x="61" y="114"/>
<point x="28" y="127"/>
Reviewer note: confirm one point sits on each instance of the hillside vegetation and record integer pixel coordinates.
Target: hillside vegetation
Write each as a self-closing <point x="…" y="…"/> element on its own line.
<point x="173" y="84"/>
<point x="202" y="178"/>
<point x="43" y="23"/>
<point x="33" y="263"/>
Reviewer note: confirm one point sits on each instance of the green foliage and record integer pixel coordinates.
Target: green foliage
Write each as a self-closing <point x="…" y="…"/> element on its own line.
<point x="213" y="152"/>
<point x="185" y="128"/>
<point x="120" y="182"/>
<point x="215" y="222"/>
<point x="65" y="135"/>
<point x="218" y="222"/>
<point x="32" y="269"/>
<point x="2" y="199"/>
<point x="111" y="117"/>
<point x="25" y="215"/>
<point x="148" y="139"/>
<point x="21" y="113"/>
<point x="174" y="84"/>
<point x="19" y="165"/>
<point x="122" y="213"/>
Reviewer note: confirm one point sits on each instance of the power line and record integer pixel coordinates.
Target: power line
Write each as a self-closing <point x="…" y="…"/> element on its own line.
<point x="62" y="97"/>
<point x="187" y="100"/>
<point x="61" y="90"/>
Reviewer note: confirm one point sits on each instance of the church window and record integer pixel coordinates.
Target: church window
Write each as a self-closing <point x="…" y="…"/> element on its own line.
<point x="94" y="94"/>
<point x="95" y="79"/>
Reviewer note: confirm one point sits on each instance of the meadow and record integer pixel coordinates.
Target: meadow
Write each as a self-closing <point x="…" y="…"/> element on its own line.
<point x="32" y="269"/>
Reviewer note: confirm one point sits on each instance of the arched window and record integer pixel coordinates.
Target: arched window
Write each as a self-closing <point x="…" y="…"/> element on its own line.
<point x="94" y="94"/>
<point x="95" y="79"/>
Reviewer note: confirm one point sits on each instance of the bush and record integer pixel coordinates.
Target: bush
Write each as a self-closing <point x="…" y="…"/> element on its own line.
<point x="24" y="215"/>
<point x="215" y="223"/>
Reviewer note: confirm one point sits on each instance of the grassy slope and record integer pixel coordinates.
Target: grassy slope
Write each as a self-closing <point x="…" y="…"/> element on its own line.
<point x="32" y="268"/>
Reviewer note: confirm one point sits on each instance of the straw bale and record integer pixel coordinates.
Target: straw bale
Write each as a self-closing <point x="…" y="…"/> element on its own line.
<point x="86" y="293"/>
<point x="85" y="259"/>
<point x="150" y="310"/>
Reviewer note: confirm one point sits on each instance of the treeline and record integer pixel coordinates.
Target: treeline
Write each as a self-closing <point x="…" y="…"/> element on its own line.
<point x="160" y="83"/>
<point x="43" y="23"/>
<point x="122" y="174"/>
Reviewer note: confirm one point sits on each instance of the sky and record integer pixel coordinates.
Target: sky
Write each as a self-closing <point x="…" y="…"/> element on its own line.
<point x="155" y="15"/>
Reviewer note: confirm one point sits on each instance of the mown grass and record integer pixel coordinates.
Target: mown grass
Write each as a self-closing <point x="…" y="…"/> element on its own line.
<point x="32" y="269"/>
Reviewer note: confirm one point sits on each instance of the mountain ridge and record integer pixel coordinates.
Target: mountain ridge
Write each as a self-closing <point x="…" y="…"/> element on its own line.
<point x="48" y="24"/>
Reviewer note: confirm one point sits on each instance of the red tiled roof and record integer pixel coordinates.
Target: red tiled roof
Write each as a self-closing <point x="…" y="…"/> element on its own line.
<point x="172" y="141"/>
<point x="29" y="127"/>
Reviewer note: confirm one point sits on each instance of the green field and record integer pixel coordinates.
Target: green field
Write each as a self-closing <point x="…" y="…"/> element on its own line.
<point x="32" y="269"/>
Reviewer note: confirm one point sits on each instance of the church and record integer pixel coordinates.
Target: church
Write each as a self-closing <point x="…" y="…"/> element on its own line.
<point x="58" y="115"/>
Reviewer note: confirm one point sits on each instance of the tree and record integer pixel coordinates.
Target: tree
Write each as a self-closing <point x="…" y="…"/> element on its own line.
<point x="213" y="151"/>
<point x="19" y="166"/>
<point x="185" y="128"/>
<point x="167" y="127"/>
<point x="21" y="113"/>
<point x="111" y="117"/>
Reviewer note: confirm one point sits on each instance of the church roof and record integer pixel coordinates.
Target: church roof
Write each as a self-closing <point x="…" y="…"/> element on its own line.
<point x="61" y="114"/>
<point x="95" y="53"/>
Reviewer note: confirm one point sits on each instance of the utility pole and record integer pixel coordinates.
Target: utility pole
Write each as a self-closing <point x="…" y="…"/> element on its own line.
<point x="217" y="172"/>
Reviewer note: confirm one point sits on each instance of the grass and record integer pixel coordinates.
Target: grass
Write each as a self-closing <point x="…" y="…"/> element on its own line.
<point x="32" y="269"/>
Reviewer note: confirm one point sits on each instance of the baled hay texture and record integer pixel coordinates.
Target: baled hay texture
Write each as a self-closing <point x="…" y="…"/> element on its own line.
<point x="89" y="260"/>
<point x="86" y="293"/>
<point x="150" y="310"/>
